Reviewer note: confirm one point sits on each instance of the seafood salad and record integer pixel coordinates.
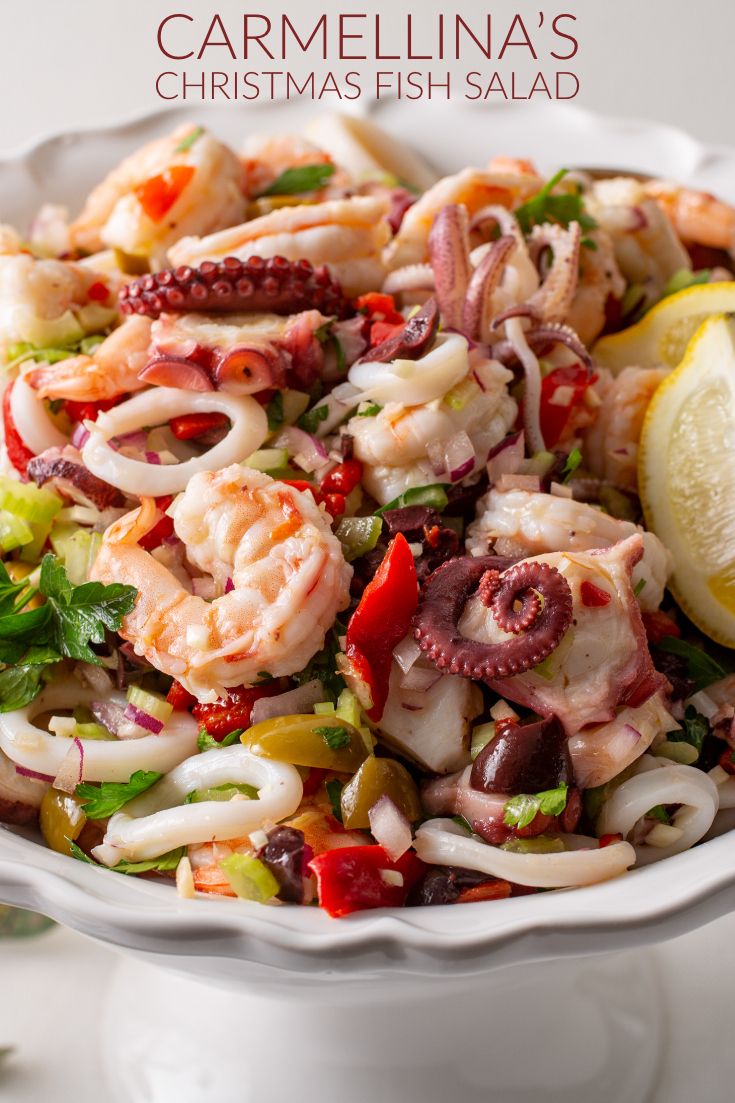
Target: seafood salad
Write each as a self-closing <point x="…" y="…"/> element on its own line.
<point x="367" y="536"/>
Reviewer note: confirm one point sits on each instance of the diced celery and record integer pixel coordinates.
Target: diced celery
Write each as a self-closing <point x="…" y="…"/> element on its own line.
<point x="481" y="736"/>
<point x="541" y="844"/>
<point x="250" y="879"/>
<point x="348" y="708"/>
<point x="459" y="396"/>
<point x="14" y="531"/>
<point x="267" y="459"/>
<point x="683" y="753"/>
<point x="294" y="404"/>
<point x="77" y="548"/>
<point x="324" y="708"/>
<point x="150" y="703"/>
<point x="358" y="535"/>
<point x="222" y="792"/>
<point x="88" y="344"/>
<point x="93" y="731"/>
<point x="28" y="501"/>
<point x="538" y="464"/>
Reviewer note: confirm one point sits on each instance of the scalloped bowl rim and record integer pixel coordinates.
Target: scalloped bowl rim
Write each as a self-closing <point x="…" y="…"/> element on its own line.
<point x="645" y="905"/>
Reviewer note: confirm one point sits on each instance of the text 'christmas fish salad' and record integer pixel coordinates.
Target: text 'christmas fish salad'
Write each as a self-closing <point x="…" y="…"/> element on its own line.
<point x="368" y="538"/>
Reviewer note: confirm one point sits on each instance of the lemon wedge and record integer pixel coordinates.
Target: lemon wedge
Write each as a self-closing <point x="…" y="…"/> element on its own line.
<point x="686" y="477"/>
<point x="661" y="337"/>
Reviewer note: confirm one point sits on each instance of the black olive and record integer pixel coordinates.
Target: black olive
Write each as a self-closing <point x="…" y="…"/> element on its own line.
<point x="283" y="854"/>
<point x="523" y="758"/>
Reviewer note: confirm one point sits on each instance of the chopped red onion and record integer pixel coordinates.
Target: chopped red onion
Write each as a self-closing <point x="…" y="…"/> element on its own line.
<point x="34" y="774"/>
<point x="142" y="719"/>
<point x="560" y="490"/>
<point x="71" y="771"/>
<point x="506" y="457"/>
<point x="138" y="438"/>
<point x="307" y="451"/>
<point x="96" y="678"/>
<point x="390" y="827"/>
<point x="152" y="457"/>
<point x="229" y="586"/>
<point x="294" y="701"/>
<point x="459" y="453"/>
<point x="79" y="436"/>
<point x="437" y="459"/>
<point x="108" y="714"/>
<point x="406" y="653"/>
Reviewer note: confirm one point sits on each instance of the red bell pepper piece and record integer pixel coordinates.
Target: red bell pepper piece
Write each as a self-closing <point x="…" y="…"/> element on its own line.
<point x="162" y="529"/>
<point x="349" y="879"/>
<point x="180" y="698"/>
<point x="158" y="195"/>
<point x="189" y="426"/>
<point x="554" y="417"/>
<point x="98" y="292"/>
<point x="343" y="478"/>
<point x="381" y="621"/>
<point x="379" y="307"/>
<point x="234" y="711"/>
<point x="659" y="624"/>
<point x="18" y="452"/>
<point x="333" y="503"/>
<point x="593" y="596"/>
<point x="486" y="890"/>
<point x="87" y="411"/>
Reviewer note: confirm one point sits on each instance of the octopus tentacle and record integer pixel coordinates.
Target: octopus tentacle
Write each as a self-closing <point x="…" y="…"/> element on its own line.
<point x="275" y="285"/>
<point x="446" y="593"/>
<point x="554" y="298"/>
<point x="412" y="341"/>
<point x="485" y="279"/>
<point x="449" y="254"/>
<point x="537" y="338"/>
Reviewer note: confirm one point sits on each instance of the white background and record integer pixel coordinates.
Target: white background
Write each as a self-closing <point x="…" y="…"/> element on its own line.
<point x="79" y="63"/>
<point x="68" y="65"/>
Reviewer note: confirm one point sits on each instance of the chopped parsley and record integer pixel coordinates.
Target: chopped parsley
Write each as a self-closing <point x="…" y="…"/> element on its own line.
<point x="334" y="792"/>
<point x="161" y="864"/>
<point x="658" y="812"/>
<point x="560" y="209"/>
<point x="694" y="729"/>
<point x="274" y="412"/>
<point x="574" y="459"/>
<point x="188" y="141"/>
<point x="312" y="419"/>
<point x="521" y="810"/>
<point x="683" y="279"/>
<point x="369" y="410"/>
<point x="463" y="823"/>
<point x="299" y="180"/>
<point x="336" y="738"/>
<point x="101" y="801"/>
<point x="639" y="586"/>
<point x="324" y="667"/>
<point x="207" y="742"/>
<point x="701" y="667"/>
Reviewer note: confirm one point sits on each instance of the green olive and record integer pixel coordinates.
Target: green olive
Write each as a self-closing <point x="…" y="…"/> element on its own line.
<point x="61" y="818"/>
<point x="326" y="742"/>
<point x="378" y="777"/>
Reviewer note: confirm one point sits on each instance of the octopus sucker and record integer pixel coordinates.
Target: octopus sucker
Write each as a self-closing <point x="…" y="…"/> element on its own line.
<point x="275" y="285"/>
<point x="538" y="628"/>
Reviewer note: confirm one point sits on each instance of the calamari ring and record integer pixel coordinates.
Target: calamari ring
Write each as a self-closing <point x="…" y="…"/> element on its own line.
<point x="449" y="588"/>
<point x="102" y="760"/>
<point x="248" y="430"/>
<point x="159" y="821"/>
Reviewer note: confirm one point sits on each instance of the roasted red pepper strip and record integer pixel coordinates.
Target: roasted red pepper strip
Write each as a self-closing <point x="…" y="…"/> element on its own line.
<point x="659" y="624"/>
<point x="350" y="879"/>
<point x="189" y="426"/>
<point x="87" y="411"/>
<point x="18" y="453"/>
<point x="379" y="307"/>
<point x="594" y="597"/>
<point x="381" y="621"/>
<point x="554" y="417"/>
<point x="223" y="716"/>
<point x="333" y="503"/>
<point x="486" y="890"/>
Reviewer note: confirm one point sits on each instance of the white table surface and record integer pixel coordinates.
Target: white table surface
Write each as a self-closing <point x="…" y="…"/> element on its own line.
<point x="54" y="987"/>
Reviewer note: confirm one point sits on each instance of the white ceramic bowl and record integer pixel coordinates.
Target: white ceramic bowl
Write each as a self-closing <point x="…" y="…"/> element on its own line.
<point x="384" y="957"/>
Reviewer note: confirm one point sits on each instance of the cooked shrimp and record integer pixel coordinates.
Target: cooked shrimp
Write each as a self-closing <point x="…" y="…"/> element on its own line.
<point x="599" y="280"/>
<point x="698" y="217"/>
<point x="394" y="445"/>
<point x="186" y="183"/>
<point x="347" y="235"/>
<point x="266" y="156"/>
<point x="471" y="188"/>
<point x="111" y="370"/>
<point x="47" y="302"/>
<point x="611" y="444"/>
<point x="647" y="249"/>
<point x="525" y="523"/>
<point x="271" y="544"/>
